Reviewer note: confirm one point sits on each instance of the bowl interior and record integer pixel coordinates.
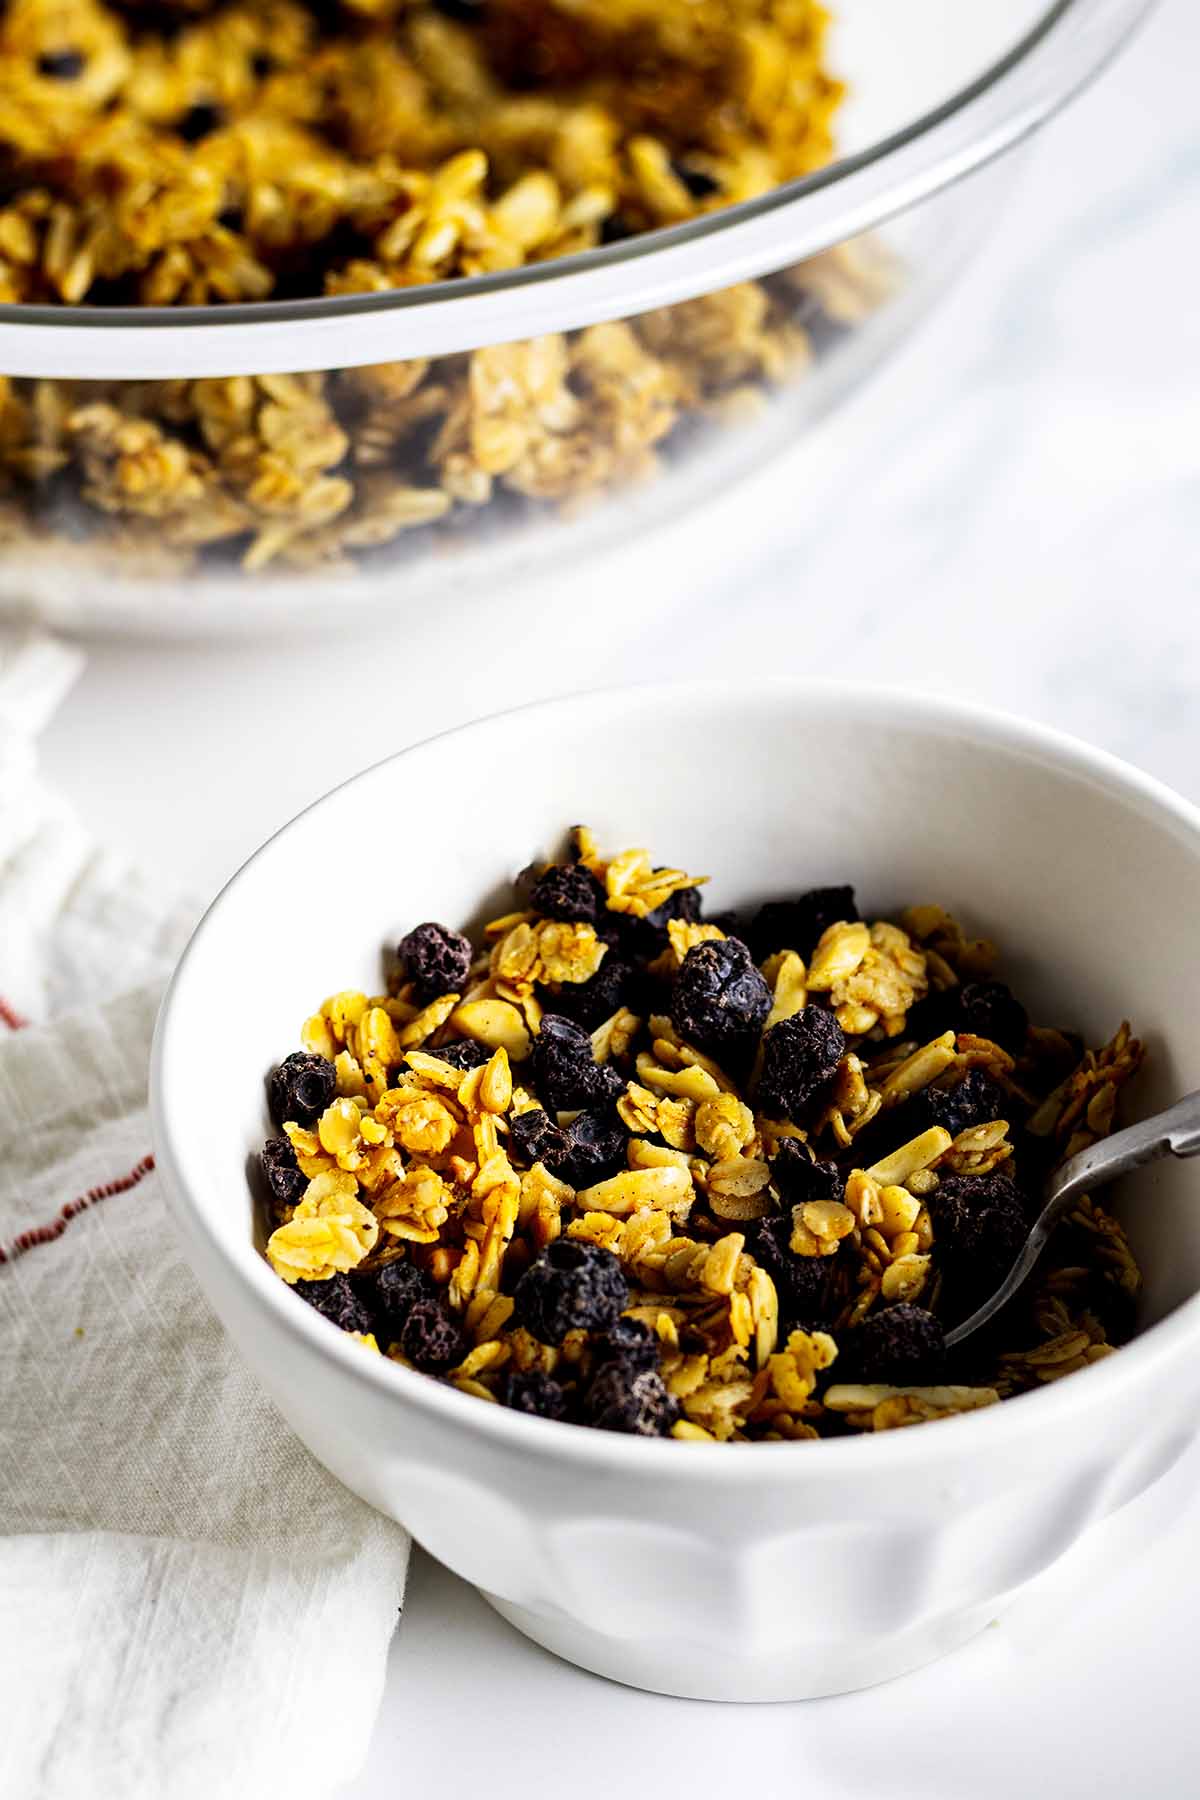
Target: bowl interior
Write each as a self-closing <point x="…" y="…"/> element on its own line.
<point x="1087" y="874"/>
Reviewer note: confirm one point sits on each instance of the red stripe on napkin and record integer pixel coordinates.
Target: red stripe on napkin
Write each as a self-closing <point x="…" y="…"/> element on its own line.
<point x="45" y="1234"/>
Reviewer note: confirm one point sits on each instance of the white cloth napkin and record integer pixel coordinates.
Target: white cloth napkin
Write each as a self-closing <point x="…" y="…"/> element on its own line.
<point x="189" y="1604"/>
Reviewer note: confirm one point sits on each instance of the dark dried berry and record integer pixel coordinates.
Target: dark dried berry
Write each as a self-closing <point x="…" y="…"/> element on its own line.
<point x="61" y="65"/>
<point x="431" y="1339"/>
<point x="719" y="1000"/>
<point x="463" y="12"/>
<point x="699" y="185"/>
<point x="615" y="229"/>
<point x="990" y="1009"/>
<point x="572" y="1286"/>
<point x="959" y="1202"/>
<point x="300" y="1089"/>
<point x="436" y="960"/>
<point x="199" y="121"/>
<point x="590" y="1002"/>
<point x="798" y="924"/>
<point x="533" y="1391"/>
<point x="391" y="1291"/>
<point x="807" y="1286"/>
<point x="284" y="1177"/>
<point x="623" y="1397"/>
<point x="899" y="1345"/>
<point x="596" y="1147"/>
<point x="588" y="1150"/>
<point x="535" y="1137"/>
<point x="800" y="1059"/>
<point x="979" y="1225"/>
<point x="800" y="1177"/>
<point x="987" y="1009"/>
<point x="463" y="1053"/>
<point x="337" y="1301"/>
<point x="565" y="1072"/>
<point x="642" y="939"/>
<point x="568" y="891"/>
<point x="683" y="905"/>
<point x="975" y="1100"/>
<point x="628" y="1341"/>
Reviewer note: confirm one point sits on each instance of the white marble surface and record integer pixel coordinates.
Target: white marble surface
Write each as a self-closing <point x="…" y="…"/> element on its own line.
<point x="1010" y="515"/>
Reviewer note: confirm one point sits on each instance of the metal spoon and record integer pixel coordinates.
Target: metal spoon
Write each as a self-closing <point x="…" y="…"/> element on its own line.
<point x="1175" y="1132"/>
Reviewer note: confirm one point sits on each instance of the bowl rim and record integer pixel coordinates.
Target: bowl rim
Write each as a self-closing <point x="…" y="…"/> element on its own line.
<point x="1036" y="1409"/>
<point x="1070" y="43"/>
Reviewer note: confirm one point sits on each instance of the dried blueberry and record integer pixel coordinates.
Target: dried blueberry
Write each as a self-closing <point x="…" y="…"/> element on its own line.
<point x="572" y="1286"/>
<point x="337" y="1301"/>
<point x="565" y="1072"/>
<point x="899" y="1345"/>
<point x="798" y="924"/>
<point x="628" y="1341"/>
<point x="568" y="891"/>
<point x="641" y="939"/>
<point x="61" y="65"/>
<point x="431" y="1339"/>
<point x="596" y="1147"/>
<point x="391" y="1291"/>
<point x="959" y="1202"/>
<point x="979" y="1225"/>
<point x="801" y="1177"/>
<point x="463" y="12"/>
<point x="284" y="1177"/>
<point x="800" y="1059"/>
<point x="436" y="960"/>
<point x="808" y="1287"/>
<point x="590" y="1002"/>
<point x="199" y="121"/>
<point x="533" y="1391"/>
<point x="699" y="185"/>
<point x="588" y="1150"/>
<point x="719" y="1000"/>
<point x="623" y="1397"/>
<point x="987" y="1009"/>
<point x="535" y="1137"/>
<point x="300" y="1089"/>
<point x="975" y="1100"/>
<point x="615" y="229"/>
<point x="463" y="1053"/>
<point x="990" y="1009"/>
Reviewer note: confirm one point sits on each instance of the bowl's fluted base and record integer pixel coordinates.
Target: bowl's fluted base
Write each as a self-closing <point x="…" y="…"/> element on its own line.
<point x="667" y="1666"/>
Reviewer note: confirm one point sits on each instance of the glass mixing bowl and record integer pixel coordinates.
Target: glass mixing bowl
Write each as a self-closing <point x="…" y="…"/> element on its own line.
<point x="454" y="434"/>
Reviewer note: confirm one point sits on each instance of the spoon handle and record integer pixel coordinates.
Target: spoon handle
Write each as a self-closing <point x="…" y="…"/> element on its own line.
<point x="1175" y="1132"/>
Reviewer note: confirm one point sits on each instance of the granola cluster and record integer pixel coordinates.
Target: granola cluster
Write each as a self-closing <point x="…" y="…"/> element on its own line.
<point x="719" y="1178"/>
<point x="200" y="153"/>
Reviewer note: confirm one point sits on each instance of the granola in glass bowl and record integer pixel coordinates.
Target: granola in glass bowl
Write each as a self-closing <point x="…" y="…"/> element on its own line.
<point x="198" y="155"/>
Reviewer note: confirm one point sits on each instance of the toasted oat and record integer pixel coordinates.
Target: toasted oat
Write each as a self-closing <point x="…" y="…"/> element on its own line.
<point x="329" y="1231"/>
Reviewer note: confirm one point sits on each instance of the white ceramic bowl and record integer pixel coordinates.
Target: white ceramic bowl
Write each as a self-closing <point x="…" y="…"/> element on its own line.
<point x="780" y="1570"/>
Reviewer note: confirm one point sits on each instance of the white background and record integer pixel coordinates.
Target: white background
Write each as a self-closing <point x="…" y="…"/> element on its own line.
<point x="1011" y="513"/>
